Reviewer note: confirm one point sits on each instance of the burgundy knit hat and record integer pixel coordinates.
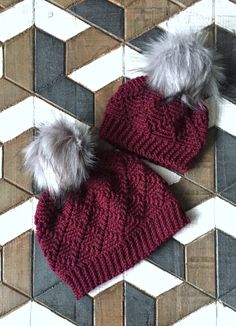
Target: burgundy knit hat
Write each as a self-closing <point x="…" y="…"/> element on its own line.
<point x="139" y="121"/>
<point x="94" y="226"/>
<point x="161" y="116"/>
<point x="120" y="215"/>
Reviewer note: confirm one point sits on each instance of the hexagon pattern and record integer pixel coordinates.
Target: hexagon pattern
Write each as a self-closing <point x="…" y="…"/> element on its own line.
<point x="66" y="58"/>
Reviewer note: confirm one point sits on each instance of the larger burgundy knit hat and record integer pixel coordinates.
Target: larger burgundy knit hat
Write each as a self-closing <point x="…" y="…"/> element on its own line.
<point x="119" y="216"/>
<point x="162" y="116"/>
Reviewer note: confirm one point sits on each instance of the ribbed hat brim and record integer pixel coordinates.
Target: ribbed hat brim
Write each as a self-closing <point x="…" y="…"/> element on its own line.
<point x="139" y="245"/>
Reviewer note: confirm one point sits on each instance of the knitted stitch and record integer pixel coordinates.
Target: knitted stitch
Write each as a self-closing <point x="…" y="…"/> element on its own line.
<point x="121" y="214"/>
<point x="169" y="134"/>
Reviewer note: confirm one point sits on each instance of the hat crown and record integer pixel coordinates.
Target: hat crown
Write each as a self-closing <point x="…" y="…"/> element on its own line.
<point x="98" y="216"/>
<point x="165" y="120"/>
<point x="119" y="216"/>
<point x="139" y="120"/>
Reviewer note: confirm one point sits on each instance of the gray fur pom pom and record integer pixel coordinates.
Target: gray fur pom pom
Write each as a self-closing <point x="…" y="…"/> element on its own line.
<point x="60" y="157"/>
<point x="179" y="65"/>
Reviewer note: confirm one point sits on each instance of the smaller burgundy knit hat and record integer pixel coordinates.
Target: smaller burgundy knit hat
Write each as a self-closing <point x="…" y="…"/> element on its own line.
<point x="106" y="222"/>
<point x="161" y="116"/>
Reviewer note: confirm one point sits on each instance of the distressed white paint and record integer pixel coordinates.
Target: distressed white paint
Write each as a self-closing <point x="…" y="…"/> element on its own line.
<point x="1" y="162"/>
<point x="225" y="216"/>
<point x="202" y="220"/>
<point x="100" y="72"/>
<point x="133" y="63"/>
<point x="47" y="113"/>
<point x="16" y="119"/>
<point x="225" y="316"/>
<point x="169" y="176"/>
<point x="203" y="316"/>
<point x="43" y="316"/>
<point x="1" y="61"/>
<point x="225" y="14"/>
<point x="106" y="285"/>
<point x="16" y="221"/>
<point x="56" y="21"/>
<point x="34" y="207"/>
<point x="150" y="278"/>
<point x="20" y="316"/>
<point x="194" y="18"/>
<point x="226" y="115"/>
<point x="16" y="20"/>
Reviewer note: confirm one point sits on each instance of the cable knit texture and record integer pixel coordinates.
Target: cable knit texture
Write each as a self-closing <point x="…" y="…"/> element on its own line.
<point x="121" y="214"/>
<point x="137" y="120"/>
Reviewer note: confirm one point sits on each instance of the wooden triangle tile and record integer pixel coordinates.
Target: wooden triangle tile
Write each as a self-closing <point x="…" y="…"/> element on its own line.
<point x="20" y="316"/>
<point x="109" y="306"/>
<point x="61" y="300"/>
<point x="10" y="196"/>
<point x="225" y="162"/>
<point x="43" y="277"/>
<point x="13" y="158"/>
<point x="20" y="71"/>
<point x="203" y="171"/>
<point x="8" y="3"/>
<point x="10" y="94"/>
<point x="189" y="194"/>
<point x="170" y="257"/>
<point x="145" y="14"/>
<point x="84" y="311"/>
<point x="65" y="306"/>
<point x="105" y="14"/>
<point x="226" y="265"/>
<point x="101" y="98"/>
<point x="149" y="13"/>
<point x="200" y="263"/>
<point x="10" y="299"/>
<point x="17" y="263"/>
<point x="86" y="47"/>
<point x="178" y="303"/>
<point x="139" y="307"/>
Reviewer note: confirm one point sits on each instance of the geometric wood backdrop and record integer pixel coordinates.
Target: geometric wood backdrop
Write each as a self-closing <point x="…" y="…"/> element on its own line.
<point x="68" y="57"/>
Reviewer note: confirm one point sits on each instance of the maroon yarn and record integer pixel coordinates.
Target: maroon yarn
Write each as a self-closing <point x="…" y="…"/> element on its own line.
<point x="137" y="120"/>
<point x="121" y="214"/>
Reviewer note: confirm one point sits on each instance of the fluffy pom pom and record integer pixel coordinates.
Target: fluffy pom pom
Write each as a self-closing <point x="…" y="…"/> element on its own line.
<point x="179" y="65"/>
<point x="60" y="157"/>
